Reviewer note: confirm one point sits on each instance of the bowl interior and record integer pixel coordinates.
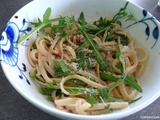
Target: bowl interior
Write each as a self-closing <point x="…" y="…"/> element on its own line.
<point x="16" y="66"/>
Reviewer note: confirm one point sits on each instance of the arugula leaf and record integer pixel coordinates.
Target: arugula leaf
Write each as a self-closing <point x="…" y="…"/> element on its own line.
<point x="81" y="60"/>
<point x="92" y="98"/>
<point x="40" y="25"/>
<point x="101" y="23"/>
<point x="63" y="66"/>
<point x="74" y="91"/>
<point x="59" y="29"/>
<point x="46" y="85"/>
<point x="81" y="19"/>
<point x="110" y="34"/>
<point x="132" y="101"/>
<point x="119" y="66"/>
<point x="46" y="15"/>
<point x="84" y="44"/>
<point x="99" y="57"/>
<point x="77" y="83"/>
<point x="128" y="79"/>
<point x="25" y="37"/>
<point x="108" y="76"/>
<point x="90" y="28"/>
<point x="45" y="91"/>
<point x="63" y="27"/>
<point x="60" y="68"/>
<point x="121" y="13"/>
<point x="131" y="17"/>
<point x="67" y="21"/>
<point x="105" y="96"/>
<point x="132" y="82"/>
<point x="120" y="57"/>
<point x="119" y="81"/>
<point x="36" y="24"/>
<point x="104" y="92"/>
<point x="118" y="54"/>
<point x="124" y="40"/>
<point x="41" y="90"/>
<point x="104" y="24"/>
<point x="103" y="29"/>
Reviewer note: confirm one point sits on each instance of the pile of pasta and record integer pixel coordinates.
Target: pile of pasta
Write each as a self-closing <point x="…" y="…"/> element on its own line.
<point x="45" y="49"/>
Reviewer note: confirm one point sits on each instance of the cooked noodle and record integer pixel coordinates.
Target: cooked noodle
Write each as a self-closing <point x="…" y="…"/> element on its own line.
<point x="47" y="49"/>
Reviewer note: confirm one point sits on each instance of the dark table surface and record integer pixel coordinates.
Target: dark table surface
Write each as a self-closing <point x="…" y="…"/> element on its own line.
<point x="15" y="107"/>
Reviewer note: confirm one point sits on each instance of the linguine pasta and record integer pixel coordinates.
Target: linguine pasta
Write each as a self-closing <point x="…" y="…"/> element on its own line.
<point x="85" y="68"/>
<point x="42" y="54"/>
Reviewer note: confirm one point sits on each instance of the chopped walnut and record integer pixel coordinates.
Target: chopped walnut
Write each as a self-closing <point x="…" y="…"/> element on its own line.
<point x="76" y="38"/>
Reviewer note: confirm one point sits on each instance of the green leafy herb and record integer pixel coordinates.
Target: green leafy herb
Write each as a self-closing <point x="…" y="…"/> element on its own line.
<point x="45" y="91"/>
<point x="119" y="66"/>
<point x="81" y="60"/>
<point x="110" y="34"/>
<point x="99" y="57"/>
<point x="50" y="85"/>
<point x="119" y="56"/>
<point x="60" y="68"/>
<point x="46" y="15"/>
<point x="104" y="92"/>
<point x="76" y="82"/>
<point x="36" y="24"/>
<point x="84" y="44"/>
<point x="75" y="90"/>
<point x="121" y="13"/>
<point x="129" y="80"/>
<point x="132" y="101"/>
<point x="81" y="19"/>
<point x="124" y="40"/>
<point x="90" y="28"/>
<point x="92" y="98"/>
<point x="39" y="25"/>
<point x="67" y="21"/>
<point x="131" y="17"/>
<point x="104" y="24"/>
<point x="45" y="19"/>
<point x="64" y="22"/>
<point x="59" y="29"/>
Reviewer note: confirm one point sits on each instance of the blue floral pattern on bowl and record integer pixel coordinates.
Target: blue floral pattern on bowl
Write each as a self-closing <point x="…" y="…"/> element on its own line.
<point x="9" y="51"/>
<point x="148" y="30"/>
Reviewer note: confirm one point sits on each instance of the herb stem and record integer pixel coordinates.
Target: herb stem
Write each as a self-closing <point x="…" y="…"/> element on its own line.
<point x="25" y="37"/>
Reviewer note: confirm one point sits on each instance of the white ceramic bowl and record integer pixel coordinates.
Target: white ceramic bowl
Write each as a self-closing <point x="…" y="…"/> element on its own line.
<point x="16" y="67"/>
